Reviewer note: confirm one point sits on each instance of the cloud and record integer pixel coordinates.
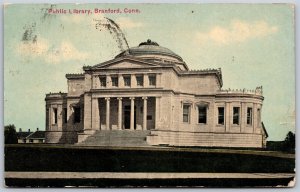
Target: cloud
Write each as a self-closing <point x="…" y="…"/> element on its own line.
<point x="28" y="48"/>
<point x="237" y="31"/>
<point x="127" y="23"/>
<point x="65" y="51"/>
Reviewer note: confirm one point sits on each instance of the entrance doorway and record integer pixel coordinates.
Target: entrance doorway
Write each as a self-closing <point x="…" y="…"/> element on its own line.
<point x="127" y="117"/>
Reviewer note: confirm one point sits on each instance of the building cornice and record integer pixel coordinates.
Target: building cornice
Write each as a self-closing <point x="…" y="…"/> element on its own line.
<point x="56" y="95"/>
<point x="235" y="95"/>
<point x="256" y="93"/>
<point x="116" y="60"/>
<point x="75" y="76"/>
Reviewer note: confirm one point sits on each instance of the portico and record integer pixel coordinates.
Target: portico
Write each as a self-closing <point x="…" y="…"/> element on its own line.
<point x="120" y="113"/>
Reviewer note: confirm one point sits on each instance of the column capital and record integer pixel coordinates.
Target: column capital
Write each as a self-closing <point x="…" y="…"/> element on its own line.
<point x="119" y="98"/>
<point x="107" y="98"/>
<point x="145" y="98"/>
<point x="131" y="98"/>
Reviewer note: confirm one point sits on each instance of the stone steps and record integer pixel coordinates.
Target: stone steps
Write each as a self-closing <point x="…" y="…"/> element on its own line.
<point x="117" y="138"/>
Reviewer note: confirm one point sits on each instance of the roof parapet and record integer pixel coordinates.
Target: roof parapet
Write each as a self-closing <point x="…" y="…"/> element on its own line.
<point x="256" y="91"/>
<point x="55" y="95"/>
<point x="87" y="67"/>
<point x="75" y="76"/>
<point x="207" y="70"/>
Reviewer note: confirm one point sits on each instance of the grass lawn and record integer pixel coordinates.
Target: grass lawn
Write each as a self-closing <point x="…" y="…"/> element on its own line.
<point x="45" y="157"/>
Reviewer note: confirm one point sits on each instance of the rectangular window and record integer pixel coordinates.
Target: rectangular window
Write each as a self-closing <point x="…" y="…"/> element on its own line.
<point x="55" y="115"/>
<point x="249" y="116"/>
<point x="65" y="115"/>
<point x="236" y="115"/>
<point x="77" y="115"/>
<point x="103" y="81"/>
<point x="152" y="80"/>
<point x="221" y="115"/>
<point x="114" y="81"/>
<point x="186" y="113"/>
<point x="202" y="113"/>
<point x="140" y="80"/>
<point x="127" y="81"/>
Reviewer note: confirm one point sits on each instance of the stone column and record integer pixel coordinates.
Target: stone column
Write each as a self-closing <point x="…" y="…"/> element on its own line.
<point x="146" y="80"/>
<point x="107" y="113"/>
<point x="50" y="118"/>
<point x="132" y="113"/>
<point x="120" y="114"/>
<point x="227" y="117"/>
<point x="158" y="80"/>
<point x="88" y="113"/>
<point x="95" y="114"/>
<point x="145" y="113"/>
<point x="120" y="81"/>
<point x="157" y="112"/>
<point x="133" y="81"/>
<point x="108" y="81"/>
<point x="258" y="116"/>
<point x="59" y="117"/>
<point x="243" y="118"/>
<point x="255" y="117"/>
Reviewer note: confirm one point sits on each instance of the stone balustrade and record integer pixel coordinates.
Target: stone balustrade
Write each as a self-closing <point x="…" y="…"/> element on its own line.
<point x="256" y="91"/>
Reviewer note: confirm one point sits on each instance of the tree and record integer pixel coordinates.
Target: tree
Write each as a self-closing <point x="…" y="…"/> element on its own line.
<point x="289" y="142"/>
<point x="10" y="134"/>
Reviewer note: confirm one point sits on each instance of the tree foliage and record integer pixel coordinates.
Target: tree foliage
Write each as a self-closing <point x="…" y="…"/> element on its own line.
<point x="10" y="134"/>
<point x="290" y="142"/>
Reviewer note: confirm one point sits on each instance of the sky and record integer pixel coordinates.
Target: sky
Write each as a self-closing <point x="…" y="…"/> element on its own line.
<point x="253" y="45"/>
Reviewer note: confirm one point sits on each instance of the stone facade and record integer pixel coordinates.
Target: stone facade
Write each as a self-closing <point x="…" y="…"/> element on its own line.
<point x="151" y="88"/>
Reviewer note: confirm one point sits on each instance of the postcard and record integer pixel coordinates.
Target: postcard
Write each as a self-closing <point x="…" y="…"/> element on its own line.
<point x="149" y="95"/>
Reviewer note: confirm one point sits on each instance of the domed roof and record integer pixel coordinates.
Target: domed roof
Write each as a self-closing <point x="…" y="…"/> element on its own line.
<point x="150" y="48"/>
